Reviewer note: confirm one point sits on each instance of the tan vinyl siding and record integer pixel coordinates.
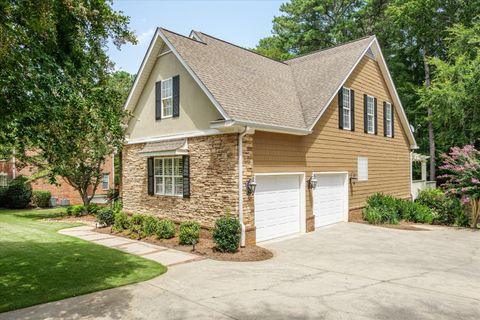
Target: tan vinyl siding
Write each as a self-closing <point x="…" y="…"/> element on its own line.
<point x="329" y="148"/>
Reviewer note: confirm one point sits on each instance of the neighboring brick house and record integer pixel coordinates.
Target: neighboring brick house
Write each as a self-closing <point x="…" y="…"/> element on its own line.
<point x="7" y="171"/>
<point x="63" y="192"/>
<point x="288" y="146"/>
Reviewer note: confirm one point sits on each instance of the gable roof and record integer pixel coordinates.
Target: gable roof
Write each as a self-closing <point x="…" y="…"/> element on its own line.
<point x="250" y="89"/>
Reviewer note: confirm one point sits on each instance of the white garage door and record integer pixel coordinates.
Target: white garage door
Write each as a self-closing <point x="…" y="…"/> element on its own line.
<point x="277" y="206"/>
<point x="330" y="199"/>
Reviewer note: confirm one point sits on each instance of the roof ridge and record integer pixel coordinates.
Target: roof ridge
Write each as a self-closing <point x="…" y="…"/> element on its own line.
<point x="245" y="49"/>
<point x="325" y="49"/>
<point x="181" y="35"/>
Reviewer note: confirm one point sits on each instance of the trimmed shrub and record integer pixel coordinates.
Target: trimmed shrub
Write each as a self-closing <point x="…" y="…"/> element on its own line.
<point x="447" y="210"/>
<point x="386" y="209"/>
<point x="226" y="234"/>
<point x="189" y="232"/>
<point x="105" y="216"/>
<point x="121" y="221"/>
<point x="41" y="198"/>
<point x="136" y="224"/>
<point x="77" y="210"/>
<point x="149" y="226"/>
<point x="165" y="229"/>
<point x="93" y="208"/>
<point x="18" y="194"/>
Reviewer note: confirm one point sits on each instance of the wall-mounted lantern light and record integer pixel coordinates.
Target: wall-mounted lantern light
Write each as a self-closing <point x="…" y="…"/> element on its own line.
<point x="312" y="183"/>
<point x="251" y="186"/>
<point x="353" y="178"/>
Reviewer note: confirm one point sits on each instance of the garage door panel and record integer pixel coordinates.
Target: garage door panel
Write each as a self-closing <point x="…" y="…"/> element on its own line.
<point x="329" y="199"/>
<point x="277" y="206"/>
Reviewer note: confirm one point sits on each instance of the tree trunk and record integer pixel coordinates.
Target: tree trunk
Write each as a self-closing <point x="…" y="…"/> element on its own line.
<point x="431" y="133"/>
<point x="475" y="207"/>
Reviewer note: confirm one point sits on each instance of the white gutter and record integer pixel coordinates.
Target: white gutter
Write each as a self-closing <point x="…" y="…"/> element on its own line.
<point x="221" y="124"/>
<point x="240" y="184"/>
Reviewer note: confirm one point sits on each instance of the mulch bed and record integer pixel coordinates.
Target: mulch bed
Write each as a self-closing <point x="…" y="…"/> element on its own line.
<point x="87" y="219"/>
<point x="205" y="247"/>
<point x="403" y="225"/>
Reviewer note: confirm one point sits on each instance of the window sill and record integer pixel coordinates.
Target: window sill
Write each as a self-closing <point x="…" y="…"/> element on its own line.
<point x="166" y="196"/>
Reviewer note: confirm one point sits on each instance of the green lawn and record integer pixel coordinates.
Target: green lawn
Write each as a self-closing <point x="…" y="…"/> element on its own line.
<point x="38" y="265"/>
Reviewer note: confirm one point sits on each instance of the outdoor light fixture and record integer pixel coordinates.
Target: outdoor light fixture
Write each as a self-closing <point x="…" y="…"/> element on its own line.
<point x="312" y="182"/>
<point x="251" y="186"/>
<point x="353" y="177"/>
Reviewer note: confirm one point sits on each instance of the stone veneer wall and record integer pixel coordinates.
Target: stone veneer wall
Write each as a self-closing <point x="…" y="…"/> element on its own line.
<point x="213" y="181"/>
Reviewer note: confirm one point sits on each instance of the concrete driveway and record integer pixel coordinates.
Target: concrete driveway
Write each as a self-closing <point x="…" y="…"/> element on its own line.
<point x="346" y="271"/>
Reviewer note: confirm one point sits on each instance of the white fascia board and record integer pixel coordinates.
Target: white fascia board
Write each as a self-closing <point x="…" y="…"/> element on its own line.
<point x="194" y="75"/>
<point x="259" y="126"/>
<point x="396" y="97"/>
<point x="325" y="107"/>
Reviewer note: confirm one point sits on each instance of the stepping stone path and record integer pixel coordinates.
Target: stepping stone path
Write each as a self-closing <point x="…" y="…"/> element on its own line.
<point x="167" y="257"/>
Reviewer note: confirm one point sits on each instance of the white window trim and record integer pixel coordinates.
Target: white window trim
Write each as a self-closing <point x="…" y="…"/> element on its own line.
<point x="362" y="160"/>
<point x="108" y="181"/>
<point x="388" y="122"/>
<point x="349" y="108"/>
<point x="4" y="174"/>
<point x="164" y="98"/>
<point x="372" y="114"/>
<point x="173" y="176"/>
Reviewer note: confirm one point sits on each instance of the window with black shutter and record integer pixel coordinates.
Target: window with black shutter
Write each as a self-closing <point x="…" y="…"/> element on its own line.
<point x="150" y="182"/>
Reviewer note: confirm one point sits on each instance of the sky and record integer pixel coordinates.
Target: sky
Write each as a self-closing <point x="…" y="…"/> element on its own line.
<point x="242" y="22"/>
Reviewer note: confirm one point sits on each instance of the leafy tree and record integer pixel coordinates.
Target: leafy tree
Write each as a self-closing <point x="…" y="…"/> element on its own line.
<point x="51" y="53"/>
<point x="61" y="106"/>
<point x="455" y="88"/>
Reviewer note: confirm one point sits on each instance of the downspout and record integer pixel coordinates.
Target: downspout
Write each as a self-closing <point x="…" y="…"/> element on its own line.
<point x="240" y="184"/>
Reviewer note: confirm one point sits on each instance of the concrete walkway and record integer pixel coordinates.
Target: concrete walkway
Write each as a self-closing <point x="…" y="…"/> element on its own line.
<point x="167" y="257"/>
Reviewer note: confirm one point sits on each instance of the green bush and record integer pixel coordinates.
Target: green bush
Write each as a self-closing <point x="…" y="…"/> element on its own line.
<point x="373" y="215"/>
<point x="41" y="198"/>
<point x="386" y="209"/>
<point x="447" y="210"/>
<point x="189" y="232"/>
<point x="121" y="221"/>
<point x="136" y="224"/>
<point x="93" y="208"/>
<point x="77" y="210"/>
<point x="226" y="234"/>
<point x="105" y="216"/>
<point x="149" y="226"/>
<point x="165" y="229"/>
<point x="415" y="212"/>
<point x="18" y="194"/>
<point x="2" y="197"/>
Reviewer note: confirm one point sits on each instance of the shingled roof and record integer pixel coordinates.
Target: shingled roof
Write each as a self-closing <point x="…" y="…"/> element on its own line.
<point x="250" y="88"/>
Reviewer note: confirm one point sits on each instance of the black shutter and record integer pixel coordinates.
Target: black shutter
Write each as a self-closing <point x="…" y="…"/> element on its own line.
<point x="393" y="126"/>
<point x="186" y="176"/>
<point x="365" y="113"/>
<point x="150" y="176"/>
<point x="340" y="108"/>
<point x="158" y="100"/>
<point x="375" y="115"/>
<point x="352" y="109"/>
<point x="384" y="119"/>
<point x="176" y="96"/>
